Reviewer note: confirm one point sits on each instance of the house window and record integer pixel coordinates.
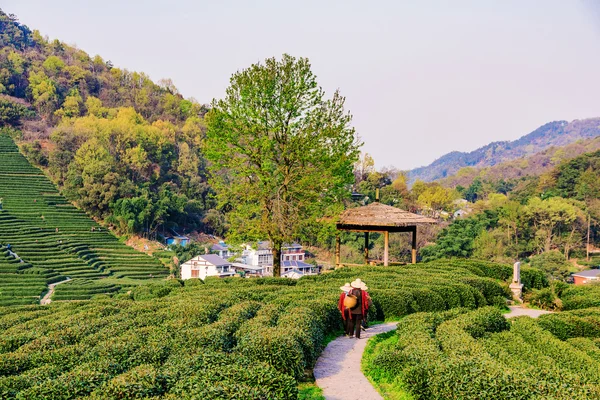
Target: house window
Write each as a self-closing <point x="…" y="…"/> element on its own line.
<point x="300" y="257"/>
<point x="293" y="258"/>
<point x="265" y="258"/>
<point x="195" y="273"/>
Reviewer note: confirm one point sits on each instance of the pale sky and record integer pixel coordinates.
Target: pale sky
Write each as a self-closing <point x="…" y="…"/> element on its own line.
<point x="421" y="78"/>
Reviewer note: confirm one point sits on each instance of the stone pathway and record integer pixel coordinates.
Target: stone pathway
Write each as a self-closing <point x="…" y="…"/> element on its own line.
<point x="46" y="299"/>
<point x="338" y="372"/>
<point x="517" y="311"/>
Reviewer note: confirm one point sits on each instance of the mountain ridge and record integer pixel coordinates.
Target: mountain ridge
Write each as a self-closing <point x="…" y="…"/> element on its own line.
<point x="556" y="133"/>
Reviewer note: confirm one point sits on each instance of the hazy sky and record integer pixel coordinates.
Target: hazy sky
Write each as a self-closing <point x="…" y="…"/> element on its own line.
<point x="421" y="78"/>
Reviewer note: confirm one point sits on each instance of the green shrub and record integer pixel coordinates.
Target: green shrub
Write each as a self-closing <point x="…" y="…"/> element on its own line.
<point x="553" y="263"/>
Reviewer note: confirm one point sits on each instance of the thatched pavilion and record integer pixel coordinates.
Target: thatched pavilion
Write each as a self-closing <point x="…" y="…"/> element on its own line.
<point x="377" y="217"/>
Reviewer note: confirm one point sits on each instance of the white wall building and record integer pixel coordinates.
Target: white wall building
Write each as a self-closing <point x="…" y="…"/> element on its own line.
<point x="260" y="257"/>
<point x="206" y="265"/>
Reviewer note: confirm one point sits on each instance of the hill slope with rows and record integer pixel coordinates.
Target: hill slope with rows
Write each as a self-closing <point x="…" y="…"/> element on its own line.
<point x="50" y="239"/>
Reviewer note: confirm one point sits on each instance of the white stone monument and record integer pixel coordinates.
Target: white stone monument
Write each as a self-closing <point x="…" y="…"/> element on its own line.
<point x="516" y="287"/>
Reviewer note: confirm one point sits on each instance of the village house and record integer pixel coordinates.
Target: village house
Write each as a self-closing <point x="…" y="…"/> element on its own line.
<point x="206" y="265"/>
<point x="292" y="259"/>
<point x="177" y="239"/>
<point x="248" y="271"/>
<point x="260" y="257"/>
<point x="173" y="237"/>
<point x="222" y="250"/>
<point x="588" y="276"/>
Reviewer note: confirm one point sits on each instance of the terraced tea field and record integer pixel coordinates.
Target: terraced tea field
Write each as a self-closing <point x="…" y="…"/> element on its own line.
<point x="53" y="238"/>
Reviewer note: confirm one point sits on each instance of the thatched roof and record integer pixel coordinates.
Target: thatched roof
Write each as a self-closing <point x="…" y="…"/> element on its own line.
<point x="377" y="214"/>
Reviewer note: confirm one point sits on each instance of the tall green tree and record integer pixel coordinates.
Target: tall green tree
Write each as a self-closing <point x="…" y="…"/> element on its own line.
<point x="281" y="154"/>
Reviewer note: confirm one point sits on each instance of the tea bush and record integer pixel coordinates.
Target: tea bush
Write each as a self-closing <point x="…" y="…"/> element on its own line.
<point x="224" y="338"/>
<point x="479" y="354"/>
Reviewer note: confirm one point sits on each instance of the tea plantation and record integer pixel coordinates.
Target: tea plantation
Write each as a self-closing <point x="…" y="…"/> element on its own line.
<point x="479" y="354"/>
<point x="54" y="239"/>
<point x="229" y="338"/>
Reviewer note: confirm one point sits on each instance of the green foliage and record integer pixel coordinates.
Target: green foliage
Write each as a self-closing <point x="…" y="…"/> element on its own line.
<point x="307" y="391"/>
<point x="479" y="354"/>
<point x="457" y="240"/>
<point x="11" y="113"/>
<point x="118" y="135"/>
<point x="581" y="296"/>
<point x="568" y="325"/>
<point x="578" y="178"/>
<point x="191" y="250"/>
<point x="34" y="153"/>
<point x="552" y="263"/>
<point x="281" y="154"/>
<point x="543" y="298"/>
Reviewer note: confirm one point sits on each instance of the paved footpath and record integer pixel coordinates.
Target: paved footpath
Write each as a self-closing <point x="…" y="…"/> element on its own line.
<point x="516" y="311"/>
<point x="338" y="372"/>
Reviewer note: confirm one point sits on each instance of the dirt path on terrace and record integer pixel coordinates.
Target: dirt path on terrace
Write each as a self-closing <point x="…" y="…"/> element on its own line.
<point x="338" y="372"/>
<point x="46" y="299"/>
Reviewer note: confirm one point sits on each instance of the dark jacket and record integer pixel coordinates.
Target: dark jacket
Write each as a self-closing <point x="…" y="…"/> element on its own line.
<point x="358" y="308"/>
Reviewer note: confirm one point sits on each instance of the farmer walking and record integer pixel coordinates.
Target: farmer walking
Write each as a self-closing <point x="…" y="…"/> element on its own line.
<point x="359" y="311"/>
<point x="346" y="317"/>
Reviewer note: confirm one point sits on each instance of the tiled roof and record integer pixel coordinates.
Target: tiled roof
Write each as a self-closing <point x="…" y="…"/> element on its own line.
<point x="590" y="273"/>
<point x="214" y="259"/>
<point x="296" y="264"/>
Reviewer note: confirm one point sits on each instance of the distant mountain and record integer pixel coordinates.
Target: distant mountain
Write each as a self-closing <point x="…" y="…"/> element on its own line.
<point x="534" y="165"/>
<point x="558" y="133"/>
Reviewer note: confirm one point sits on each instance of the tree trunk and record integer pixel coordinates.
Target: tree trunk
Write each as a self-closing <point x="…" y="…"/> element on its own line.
<point x="548" y="244"/>
<point x="276" y="259"/>
<point x="516" y="243"/>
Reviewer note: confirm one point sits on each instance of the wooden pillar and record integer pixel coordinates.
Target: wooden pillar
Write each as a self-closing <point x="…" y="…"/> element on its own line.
<point x="337" y="251"/>
<point x="414" y="245"/>
<point x="386" y="245"/>
<point x="366" y="247"/>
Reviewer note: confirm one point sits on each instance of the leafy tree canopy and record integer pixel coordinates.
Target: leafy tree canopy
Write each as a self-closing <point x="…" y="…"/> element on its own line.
<point x="281" y="154"/>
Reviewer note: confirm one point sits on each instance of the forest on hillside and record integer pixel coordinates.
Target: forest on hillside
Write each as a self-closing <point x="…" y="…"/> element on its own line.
<point x="125" y="148"/>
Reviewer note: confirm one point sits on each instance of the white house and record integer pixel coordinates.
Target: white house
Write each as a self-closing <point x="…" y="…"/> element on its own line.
<point x="206" y="265"/>
<point x="260" y="257"/>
